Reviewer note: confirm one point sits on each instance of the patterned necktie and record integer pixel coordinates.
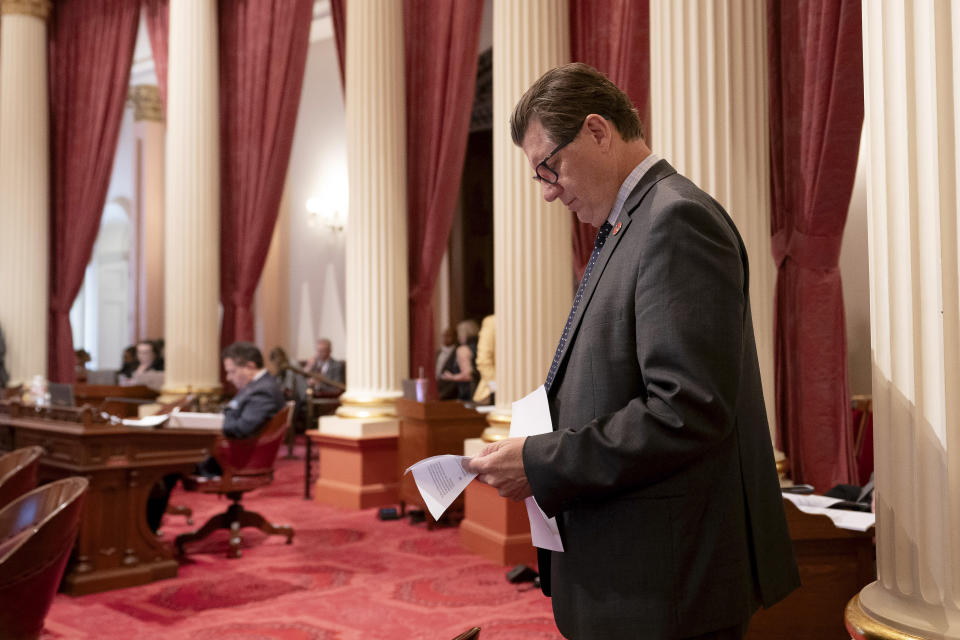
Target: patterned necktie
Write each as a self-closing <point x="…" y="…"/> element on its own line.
<point x="601" y="238"/>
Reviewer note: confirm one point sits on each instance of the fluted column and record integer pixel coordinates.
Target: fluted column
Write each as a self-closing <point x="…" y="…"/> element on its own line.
<point x="149" y="132"/>
<point x="911" y="55"/>
<point x="532" y="255"/>
<point x="708" y="91"/>
<point x="376" y="252"/>
<point x="24" y="186"/>
<point x="192" y="241"/>
<point x="532" y="264"/>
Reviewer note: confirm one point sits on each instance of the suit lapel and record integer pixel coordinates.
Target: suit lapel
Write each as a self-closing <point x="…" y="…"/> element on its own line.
<point x="655" y="174"/>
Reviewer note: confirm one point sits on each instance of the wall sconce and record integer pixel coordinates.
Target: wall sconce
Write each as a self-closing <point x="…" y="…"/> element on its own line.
<point x="333" y="219"/>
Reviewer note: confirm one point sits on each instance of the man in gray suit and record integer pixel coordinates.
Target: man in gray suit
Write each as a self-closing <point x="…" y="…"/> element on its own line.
<point x="660" y="468"/>
<point x="326" y="366"/>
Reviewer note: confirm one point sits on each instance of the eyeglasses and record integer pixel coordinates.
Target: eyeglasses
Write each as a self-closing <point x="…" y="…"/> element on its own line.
<point x="545" y="173"/>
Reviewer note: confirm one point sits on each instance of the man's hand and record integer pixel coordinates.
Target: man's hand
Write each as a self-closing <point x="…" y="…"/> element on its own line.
<point x="500" y="465"/>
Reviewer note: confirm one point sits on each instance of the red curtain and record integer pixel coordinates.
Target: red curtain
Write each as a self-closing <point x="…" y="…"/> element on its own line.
<point x="614" y="37"/>
<point x="338" y="15"/>
<point x="816" y="113"/>
<point x="441" y="68"/>
<point x="263" y="52"/>
<point x="91" y="50"/>
<point x="157" y="15"/>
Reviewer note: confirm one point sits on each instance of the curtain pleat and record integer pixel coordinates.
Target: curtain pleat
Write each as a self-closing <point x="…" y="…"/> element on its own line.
<point x="91" y="49"/>
<point x="263" y="52"/>
<point x="338" y="15"/>
<point x="816" y="113"/>
<point x="612" y="36"/>
<point x="157" y="16"/>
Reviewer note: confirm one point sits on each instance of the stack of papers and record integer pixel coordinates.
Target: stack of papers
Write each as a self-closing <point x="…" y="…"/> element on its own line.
<point x="842" y="518"/>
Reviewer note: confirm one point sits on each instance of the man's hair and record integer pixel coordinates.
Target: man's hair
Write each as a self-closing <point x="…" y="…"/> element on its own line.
<point x="243" y="353"/>
<point x="564" y="96"/>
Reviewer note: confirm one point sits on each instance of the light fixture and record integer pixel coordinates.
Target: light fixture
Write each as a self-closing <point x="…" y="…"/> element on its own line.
<point x="334" y="219"/>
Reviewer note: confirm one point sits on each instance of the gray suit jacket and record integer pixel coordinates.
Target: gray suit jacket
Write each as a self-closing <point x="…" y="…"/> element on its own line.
<point x="252" y="407"/>
<point x="336" y="370"/>
<point x="660" y="469"/>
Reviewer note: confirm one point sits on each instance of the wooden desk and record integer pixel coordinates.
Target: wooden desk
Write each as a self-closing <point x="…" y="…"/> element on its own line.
<point x="430" y="429"/>
<point x="114" y="399"/>
<point x="834" y="565"/>
<point x="115" y="548"/>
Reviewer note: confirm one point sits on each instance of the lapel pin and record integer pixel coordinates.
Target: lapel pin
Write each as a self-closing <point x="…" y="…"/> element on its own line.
<point x="616" y="228"/>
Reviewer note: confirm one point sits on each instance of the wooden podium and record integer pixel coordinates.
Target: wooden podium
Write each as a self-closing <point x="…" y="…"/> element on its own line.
<point x="834" y="565"/>
<point x="115" y="547"/>
<point x="429" y="429"/>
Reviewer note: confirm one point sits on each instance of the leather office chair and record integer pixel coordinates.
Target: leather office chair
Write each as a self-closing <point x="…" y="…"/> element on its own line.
<point x="37" y="532"/>
<point x="18" y="473"/>
<point x="247" y="465"/>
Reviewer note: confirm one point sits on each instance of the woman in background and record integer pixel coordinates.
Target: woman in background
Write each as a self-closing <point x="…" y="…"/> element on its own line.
<point x="147" y="371"/>
<point x="459" y="377"/>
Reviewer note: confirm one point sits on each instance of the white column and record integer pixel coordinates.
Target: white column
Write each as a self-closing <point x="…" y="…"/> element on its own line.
<point x="376" y="253"/>
<point x="532" y="255"/>
<point x="24" y="186"/>
<point x="149" y="132"/>
<point x="708" y="92"/>
<point x="911" y="55"/>
<point x="192" y="243"/>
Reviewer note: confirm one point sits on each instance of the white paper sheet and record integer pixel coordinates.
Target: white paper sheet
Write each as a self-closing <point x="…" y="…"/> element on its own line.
<point x="147" y="422"/>
<point x="842" y="518"/>
<point x="440" y="480"/>
<point x="531" y="417"/>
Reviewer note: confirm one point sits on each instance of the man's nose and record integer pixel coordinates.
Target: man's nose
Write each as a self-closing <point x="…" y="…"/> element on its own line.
<point x="551" y="191"/>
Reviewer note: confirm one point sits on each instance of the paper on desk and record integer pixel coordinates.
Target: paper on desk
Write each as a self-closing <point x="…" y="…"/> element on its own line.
<point x="147" y="421"/>
<point x="842" y="518"/>
<point x="440" y="480"/>
<point x="531" y="417"/>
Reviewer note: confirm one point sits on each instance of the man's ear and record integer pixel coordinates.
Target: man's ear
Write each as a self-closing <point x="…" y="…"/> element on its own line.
<point x="599" y="129"/>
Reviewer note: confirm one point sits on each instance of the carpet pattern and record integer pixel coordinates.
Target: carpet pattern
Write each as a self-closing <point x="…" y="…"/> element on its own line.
<point x="346" y="576"/>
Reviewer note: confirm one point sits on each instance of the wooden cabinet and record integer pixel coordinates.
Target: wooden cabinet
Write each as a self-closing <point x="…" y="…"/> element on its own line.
<point x="430" y="429"/>
<point x="834" y="565"/>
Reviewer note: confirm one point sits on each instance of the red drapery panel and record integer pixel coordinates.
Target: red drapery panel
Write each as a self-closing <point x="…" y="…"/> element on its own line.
<point x="441" y="68"/>
<point x="816" y="113"/>
<point x="614" y="37"/>
<point x="157" y="15"/>
<point x="338" y="15"/>
<point x="91" y="50"/>
<point x="263" y="51"/>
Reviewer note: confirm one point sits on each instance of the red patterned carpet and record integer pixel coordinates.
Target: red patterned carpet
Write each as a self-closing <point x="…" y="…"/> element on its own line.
<point x="346" y="576"/>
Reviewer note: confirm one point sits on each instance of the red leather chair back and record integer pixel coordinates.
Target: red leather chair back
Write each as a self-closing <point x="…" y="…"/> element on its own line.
<point x="254" y="456"/>
<point x="18" y="473"/>
<point x="37" y="532"/>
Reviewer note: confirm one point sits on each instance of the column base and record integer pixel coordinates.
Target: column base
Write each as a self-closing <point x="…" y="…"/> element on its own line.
<point x="355" y="405"/>
<point x="499" y="426"/>
<point x="496" y="528"/>
<point x="358" y="463"/>
<point x="900" y="619"/>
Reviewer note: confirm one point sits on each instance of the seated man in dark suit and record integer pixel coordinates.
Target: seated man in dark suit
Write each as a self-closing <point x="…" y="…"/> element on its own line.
<point x="258" y="399"/>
